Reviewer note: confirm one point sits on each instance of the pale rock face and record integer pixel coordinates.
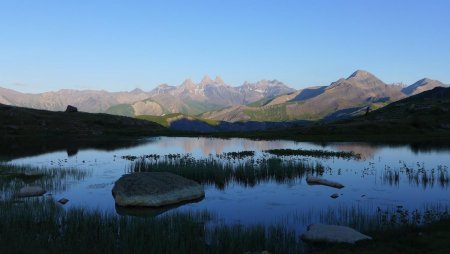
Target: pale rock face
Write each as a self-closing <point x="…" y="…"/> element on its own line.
<point x="155" y="189"/>
<point x="333" y="234"/>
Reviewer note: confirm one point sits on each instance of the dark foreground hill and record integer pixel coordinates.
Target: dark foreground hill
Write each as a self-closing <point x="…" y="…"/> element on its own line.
<point x="420" y="116"/>
<point x="25" y="122"/>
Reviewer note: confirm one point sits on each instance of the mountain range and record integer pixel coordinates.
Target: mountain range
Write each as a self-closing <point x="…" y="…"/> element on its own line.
<point x="265" y="100"/>
<point x="187" y="98"/>
<point x="341" y="99"/>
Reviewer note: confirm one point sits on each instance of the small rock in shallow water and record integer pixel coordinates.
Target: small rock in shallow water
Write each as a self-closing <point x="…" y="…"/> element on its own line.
<point x="63" y="201"/>
<point x="335" y="195"/>
<point x="333" y="234"/>
<point x="31" y="191"/>
<point x="311" y="180"/>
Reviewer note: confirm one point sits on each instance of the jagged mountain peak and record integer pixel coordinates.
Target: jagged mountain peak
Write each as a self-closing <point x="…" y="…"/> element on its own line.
<point x="188" y="83"/>
<point x="219" y="80"/>
<point x="206" y="80"/>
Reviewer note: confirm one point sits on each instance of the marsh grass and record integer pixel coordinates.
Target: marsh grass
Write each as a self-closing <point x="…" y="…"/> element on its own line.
<point x="367" y="218"/>
<point x="14" y="177"/>
<point x="43" y="226"/>
<point x="221" y="172"/>
<point x="314" y="153"/>
<point x="418" y="176"/>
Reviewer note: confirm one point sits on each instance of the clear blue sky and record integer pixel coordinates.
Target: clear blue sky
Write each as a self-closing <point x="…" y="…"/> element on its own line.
<point x="120" y="45"/>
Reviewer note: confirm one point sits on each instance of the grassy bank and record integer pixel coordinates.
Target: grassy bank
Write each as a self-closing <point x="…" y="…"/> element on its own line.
<point x="41" y="226"/>
<point x="431" y="238"/>
<point x="25" y="122"/>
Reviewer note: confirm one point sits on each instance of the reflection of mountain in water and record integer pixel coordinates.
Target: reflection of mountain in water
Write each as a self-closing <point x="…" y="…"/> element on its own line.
<point x="217" y="146"/>
<point x="365" y="150"/>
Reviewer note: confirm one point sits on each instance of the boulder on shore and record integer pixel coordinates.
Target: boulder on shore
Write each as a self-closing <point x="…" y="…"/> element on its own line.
<point x="333" y="234"/>
<point x="31" y="191"/>
<point x="311" y="180"/>
<point x="71" y="109"/>
<point x="155" y="189"/>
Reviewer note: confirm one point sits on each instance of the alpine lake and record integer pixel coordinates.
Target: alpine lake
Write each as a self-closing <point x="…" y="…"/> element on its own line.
<point x="253" y="184"/>
<point x="260" y="182"/>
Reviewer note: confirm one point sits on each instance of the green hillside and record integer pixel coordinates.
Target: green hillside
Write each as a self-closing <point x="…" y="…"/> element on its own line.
<point x="121" y="110"/>
<point x="165" y="120"/>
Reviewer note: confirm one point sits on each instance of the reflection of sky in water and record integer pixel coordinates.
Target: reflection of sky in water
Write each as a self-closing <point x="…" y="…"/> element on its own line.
<point x="268" y="201"/>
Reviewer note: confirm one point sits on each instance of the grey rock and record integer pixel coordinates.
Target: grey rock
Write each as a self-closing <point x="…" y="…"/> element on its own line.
<point x="333" y="234"/>
<point x="155" y="189"/>
<point x="63" y="201"/>
<point x="335" y="195"/>
<point x="31" y="191"/>
<point x="311" y="180"/>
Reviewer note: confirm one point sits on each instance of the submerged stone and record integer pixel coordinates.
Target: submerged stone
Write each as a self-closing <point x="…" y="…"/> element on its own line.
<point x="31" y="191"/>
<point x="155" y="189"/>
<point x="333" y="234"/>
<point x="334" y="195"/>
<point x="63" y="201"/>
<point x="311" y="180"/>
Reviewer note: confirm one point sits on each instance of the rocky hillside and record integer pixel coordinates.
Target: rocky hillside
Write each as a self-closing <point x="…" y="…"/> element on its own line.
<point x="420" y="116"/>
<point x="341" y="99"/>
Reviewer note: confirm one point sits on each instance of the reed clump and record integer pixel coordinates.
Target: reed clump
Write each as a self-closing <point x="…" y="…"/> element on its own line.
<point x="221" y="172"/>
<point x="314" y="153"/>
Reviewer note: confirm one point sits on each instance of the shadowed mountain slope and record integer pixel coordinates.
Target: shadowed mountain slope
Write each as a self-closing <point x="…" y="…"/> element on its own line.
<point x="344" y="98"/>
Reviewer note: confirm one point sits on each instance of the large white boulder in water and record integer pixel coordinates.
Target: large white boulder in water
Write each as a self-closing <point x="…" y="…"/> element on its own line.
<point x="333" y="234"/>
<point x="154" y="189"/>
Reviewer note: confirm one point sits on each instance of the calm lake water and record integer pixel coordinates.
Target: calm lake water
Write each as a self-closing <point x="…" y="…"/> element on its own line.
<point x="386" y="177"/>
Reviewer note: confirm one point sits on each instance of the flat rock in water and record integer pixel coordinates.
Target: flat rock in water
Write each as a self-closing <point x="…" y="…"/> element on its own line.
<point x="321" y="181"/>
<point x="155" y="189"/>
<point x="31" y="191"/>
<point x="63" y="201"/>
<point x="335" y="195"/>
<point x="333" y="234"/>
